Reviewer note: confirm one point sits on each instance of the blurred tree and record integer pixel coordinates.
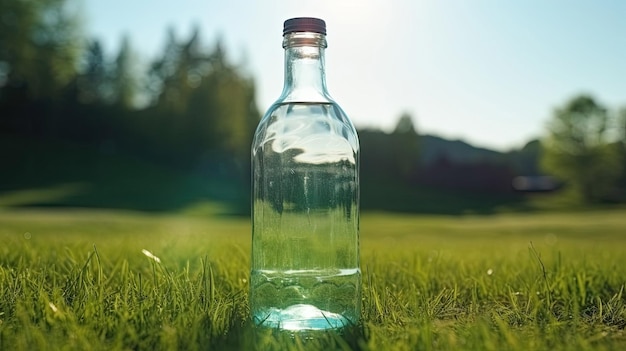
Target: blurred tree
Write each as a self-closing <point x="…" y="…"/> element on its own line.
<point x="178" y="72"/>
<point x="405" y="146"/>
<point x="39" y="46"/>
<point x="621" y="118"/>
<point x="578" y="149"/>
<point x="525" y="161"/>
<point x="390" y="157"/>
<point x="93" y="80"/>
<point x="205" y="107"/>
<point x="163" y="68"/>
<point x="124" y="79"/>
<point x="377" y="160"/>
<point x="622" y="124"/>
<point x="405" y="125"/>
<point x="234" y="113"/>
<point x="172" y="80"/>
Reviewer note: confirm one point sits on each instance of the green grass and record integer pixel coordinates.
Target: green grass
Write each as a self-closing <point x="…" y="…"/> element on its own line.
<point x="79" y="280"/>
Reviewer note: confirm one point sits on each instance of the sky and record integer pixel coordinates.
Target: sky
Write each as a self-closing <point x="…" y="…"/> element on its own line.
<point x="487" y="72"/>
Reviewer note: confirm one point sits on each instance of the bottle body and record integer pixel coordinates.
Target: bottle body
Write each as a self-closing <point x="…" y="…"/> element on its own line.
<point x="305" y="218"/>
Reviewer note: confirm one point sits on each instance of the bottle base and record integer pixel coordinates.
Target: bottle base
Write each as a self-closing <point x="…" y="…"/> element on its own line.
<point x="300" y="317"/>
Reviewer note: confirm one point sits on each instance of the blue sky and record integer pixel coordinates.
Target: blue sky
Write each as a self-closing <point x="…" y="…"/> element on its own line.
<point x="488" y="72"/>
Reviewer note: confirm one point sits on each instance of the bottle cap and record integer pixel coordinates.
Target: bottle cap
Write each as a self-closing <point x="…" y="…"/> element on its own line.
<point x="304" y="24"/>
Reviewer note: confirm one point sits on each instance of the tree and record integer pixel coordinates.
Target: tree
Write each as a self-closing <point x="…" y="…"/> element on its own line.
<point x="178" y="72"/>
<point x="231" y="108"/>
<point x="405" y="146"/>
<point x="203" y="108"/>
<point x="578" y="149"/>
<point x="622" y="125"/>
<point x="163" y="69"/>
<point x="525" y="161"/>
<point x="39" y="46"/>
<point x="93" y="80"/>
<point x="405" y="125"/>
<point x="124" y="81"/>
<point x="621" y="146"/>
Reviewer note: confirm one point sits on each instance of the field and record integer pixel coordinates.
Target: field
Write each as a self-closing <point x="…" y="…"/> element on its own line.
<point x="120" y="280"/>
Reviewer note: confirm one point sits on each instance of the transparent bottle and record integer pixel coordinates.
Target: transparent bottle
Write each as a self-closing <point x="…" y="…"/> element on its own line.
<point x="305" y="198"/>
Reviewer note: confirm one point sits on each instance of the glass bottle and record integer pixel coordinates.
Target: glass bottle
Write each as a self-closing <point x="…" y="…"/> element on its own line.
<point x="305" y="198"/>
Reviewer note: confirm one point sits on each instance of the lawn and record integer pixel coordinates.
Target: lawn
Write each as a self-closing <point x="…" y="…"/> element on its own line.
<point x="120" y="280"/>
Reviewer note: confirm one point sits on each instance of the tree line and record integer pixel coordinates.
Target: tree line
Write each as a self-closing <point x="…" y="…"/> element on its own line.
<point x="189" y="108"/>
<point x="190" y="104"/>
<point x="193" y="109"/>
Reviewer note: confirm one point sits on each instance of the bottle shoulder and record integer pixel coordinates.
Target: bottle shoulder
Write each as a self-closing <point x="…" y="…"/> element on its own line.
<point x="298" y="122"/>
<point x="316" y="111"/>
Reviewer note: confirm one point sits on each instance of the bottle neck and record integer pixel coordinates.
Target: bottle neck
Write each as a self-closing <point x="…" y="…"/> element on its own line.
<point x="305" y="77"/>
